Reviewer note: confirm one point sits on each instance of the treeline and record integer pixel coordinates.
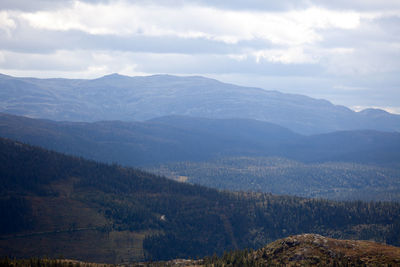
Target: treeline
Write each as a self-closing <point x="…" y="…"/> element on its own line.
<point x="237" y="258"/>
<point x="184" y="220"/>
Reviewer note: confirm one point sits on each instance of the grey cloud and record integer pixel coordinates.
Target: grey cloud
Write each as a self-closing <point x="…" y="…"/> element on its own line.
<point x="359" y="5"/>
<point x="36" y="5"/>
<point x="219" y="64"/>
<point x="362" y="5"/>
<point x="255" y="5"/>
<point x="225" y="4"/>
<point x="382" y="29"/>
<point x="374" y="44"/>
<point x="50" y="62"/>
<point x="283" y="5"/>
<point x="27" y="39"/>
<point x="24" y="5"/>
<point x="379" y="93"/>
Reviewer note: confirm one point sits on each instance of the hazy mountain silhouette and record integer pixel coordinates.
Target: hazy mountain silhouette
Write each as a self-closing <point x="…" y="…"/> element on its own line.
<point x="179" y="138"/>
<point x="117" y="97"/>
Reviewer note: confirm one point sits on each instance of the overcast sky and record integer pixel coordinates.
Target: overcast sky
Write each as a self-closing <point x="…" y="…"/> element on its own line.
<point x="344" y="51"/>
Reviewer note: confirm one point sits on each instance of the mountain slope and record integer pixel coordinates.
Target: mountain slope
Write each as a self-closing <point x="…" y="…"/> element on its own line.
<point x="331" y="180"/>
<point x="116" y="97"/>
<point x="52" y="204"/>
<point x="233" y="154"/>
<point x="299" y="250"/>
<point x="139" y="143"/>
<point x="178" y="138"/>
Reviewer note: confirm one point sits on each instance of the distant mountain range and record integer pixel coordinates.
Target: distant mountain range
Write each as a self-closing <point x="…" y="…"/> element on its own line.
<point x="178" y="138"/>
<point x="233" y="154"/>
<point x="117" y="97"/>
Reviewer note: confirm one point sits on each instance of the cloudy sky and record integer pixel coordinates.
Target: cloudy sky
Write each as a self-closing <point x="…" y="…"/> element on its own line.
<point x="345" y="51"/>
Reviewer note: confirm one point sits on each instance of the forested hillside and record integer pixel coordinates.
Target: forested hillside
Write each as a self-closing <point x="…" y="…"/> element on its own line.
<point x="332" y="180"/>
<point x="234" y="154"/>
<point x="52" y="204"/>
<point x="180" y="138"/>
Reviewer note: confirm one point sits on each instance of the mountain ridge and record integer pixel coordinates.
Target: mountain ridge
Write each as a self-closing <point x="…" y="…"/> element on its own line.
<point x="191" y="138"/>
<point x="234" y="154"/>
<point x="139" y="98"/>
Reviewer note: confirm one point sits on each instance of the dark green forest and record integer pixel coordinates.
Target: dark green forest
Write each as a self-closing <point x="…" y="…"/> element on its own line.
<point x="179" y="220"/>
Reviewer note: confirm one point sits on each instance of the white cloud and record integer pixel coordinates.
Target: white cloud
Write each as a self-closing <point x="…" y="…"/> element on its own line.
<point x="7" y="24"/>
<point x="294" y="55"/>
<point x="395" y="110"/>
<point x="371" y="58"/>
<point x="238" y="57"/>
<point x="73" y="64"/>
<point x="190" y="21"/>
<point x="2" y="59"/>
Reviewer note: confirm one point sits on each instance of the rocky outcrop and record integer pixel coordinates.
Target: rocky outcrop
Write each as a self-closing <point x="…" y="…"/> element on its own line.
<point x="317" y="250"/>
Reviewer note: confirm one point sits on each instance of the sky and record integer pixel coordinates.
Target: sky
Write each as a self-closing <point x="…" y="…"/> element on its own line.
<point x="347" y="52"/>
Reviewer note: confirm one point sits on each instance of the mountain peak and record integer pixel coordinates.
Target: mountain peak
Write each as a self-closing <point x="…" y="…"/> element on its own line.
<point x="4" y="76"/>
<point x="114" y="76"/>
<point x="373" y="112"/>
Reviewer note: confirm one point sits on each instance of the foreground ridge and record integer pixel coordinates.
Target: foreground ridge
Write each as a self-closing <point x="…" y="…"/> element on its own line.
<point x="297" y="250"/>
<point x="302" y="250"/>
<point x="313" y="250"/>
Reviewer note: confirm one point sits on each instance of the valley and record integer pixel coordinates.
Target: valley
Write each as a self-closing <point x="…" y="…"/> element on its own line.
<point x="122" y="215"/>
<point x="231" y="154"/>
<point x="162" y="169"/>
<point x="330" y="180"/>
